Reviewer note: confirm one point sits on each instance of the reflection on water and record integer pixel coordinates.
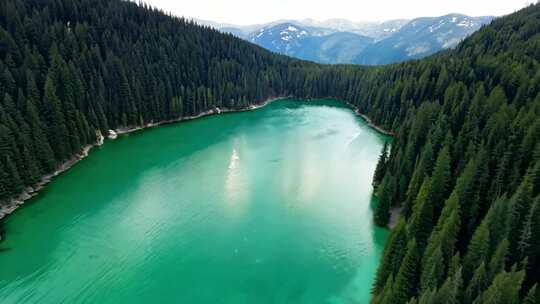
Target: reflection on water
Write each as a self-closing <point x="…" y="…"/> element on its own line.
<point x="269" y="206"/>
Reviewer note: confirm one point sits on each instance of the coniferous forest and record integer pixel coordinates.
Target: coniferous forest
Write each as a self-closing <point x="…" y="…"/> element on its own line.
<point x="463" y="169"/>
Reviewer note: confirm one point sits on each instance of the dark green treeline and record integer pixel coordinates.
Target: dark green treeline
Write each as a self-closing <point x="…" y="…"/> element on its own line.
<point x="463" y="167"/>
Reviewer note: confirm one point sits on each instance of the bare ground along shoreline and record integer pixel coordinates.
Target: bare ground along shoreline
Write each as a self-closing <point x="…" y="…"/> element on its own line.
<point x="12" y="205"/>
<point x="9" y="207"/>
<point x="369" y="122"/>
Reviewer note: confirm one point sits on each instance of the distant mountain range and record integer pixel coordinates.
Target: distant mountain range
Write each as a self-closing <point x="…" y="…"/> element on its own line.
<point x="368" y="43"/>
<point x="311" y="43"/>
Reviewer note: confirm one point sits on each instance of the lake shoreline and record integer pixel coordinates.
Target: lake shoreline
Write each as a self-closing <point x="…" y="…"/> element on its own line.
<point x="224" y="193"/>
<point x="215" y="111"/>
<point x="370" y="122"/>
<point x="30" y="192"/>
<point x="12" y="205"/>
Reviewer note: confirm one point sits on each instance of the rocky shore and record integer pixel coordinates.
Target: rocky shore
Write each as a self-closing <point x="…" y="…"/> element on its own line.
<point x="29" y="192"/>
<point x="369" y="122"/>
<point x="12" y="205"/>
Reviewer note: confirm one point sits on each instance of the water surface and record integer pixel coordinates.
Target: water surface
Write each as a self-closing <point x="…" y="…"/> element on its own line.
<point x="268" y="206"/>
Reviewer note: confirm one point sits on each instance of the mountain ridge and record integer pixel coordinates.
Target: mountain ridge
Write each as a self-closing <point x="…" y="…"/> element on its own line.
<point x="366" y="43"/>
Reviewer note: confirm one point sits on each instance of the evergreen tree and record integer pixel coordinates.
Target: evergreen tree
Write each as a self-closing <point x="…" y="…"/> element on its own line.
<point x="440" y="180"/>
<point x="477" y="284"/>
<point x="529" y="244"/>
<point x="381" y="166"/>
<point x="520" y="204"/>
<point x="392" y="256"/>
<point x="478" y="250"/>
<point x="504" y="289"/>
<point x="433" y="270"/>
<point x="421" y="222"/>
<point x="450" y="291"/>
<point x="384" y="201"/>
<point x="533" y="296"/>
<point x="57" y="132"/>
<point x="406" y="280"/>
<point x="498" y="260"/>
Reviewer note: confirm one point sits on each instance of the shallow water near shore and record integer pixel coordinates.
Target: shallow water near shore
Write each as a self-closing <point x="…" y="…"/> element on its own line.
<point x="266" y="206"/>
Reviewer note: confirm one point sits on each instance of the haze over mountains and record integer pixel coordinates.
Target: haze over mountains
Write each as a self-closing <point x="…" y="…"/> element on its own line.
<point x="368" y="43"/>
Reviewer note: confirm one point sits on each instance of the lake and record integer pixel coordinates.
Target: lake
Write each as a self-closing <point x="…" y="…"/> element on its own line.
<point x="265" y="206"/>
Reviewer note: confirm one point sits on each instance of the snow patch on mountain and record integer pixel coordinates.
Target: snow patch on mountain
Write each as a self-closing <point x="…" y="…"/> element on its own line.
<point x="343" y="41"/>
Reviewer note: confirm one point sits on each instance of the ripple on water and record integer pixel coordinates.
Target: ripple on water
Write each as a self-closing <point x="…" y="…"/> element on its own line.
<point x="268" y="206"/>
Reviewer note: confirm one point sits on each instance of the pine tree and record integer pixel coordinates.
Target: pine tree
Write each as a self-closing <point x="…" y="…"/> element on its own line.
<point x="533" y="296"/>
<point x="477" y="284"/>
<point x="394" y="251"/>
<point x="384" y="201"/>
<point x="445" y="233"/>
<point x="428" y="297"/>
<point x="529" y="244"/>
<point x="414" y="186"/>
<point x="450" y="291"/>
<point x="498" y="260"/>
<point x="407" y="278"/>
<point x="15" y="184"/>
<point x="386" y="296"/>
<point x="504" y="289"/>
<point x="4" y="181"/>
<point x="421" y="222"/>
<point x="57" y="131"/>
<point x="433" y="270"/>
<point x="381" y="166"/>
<point x="440" y="180"/>
<point x="497" y="219"/>
<point x="478" y="250"/>
<point x="32" y="173"/>
<point x="520" y="204"/>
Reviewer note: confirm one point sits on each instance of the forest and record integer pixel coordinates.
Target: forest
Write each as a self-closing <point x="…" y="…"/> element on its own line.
<point x="463" y="169"/>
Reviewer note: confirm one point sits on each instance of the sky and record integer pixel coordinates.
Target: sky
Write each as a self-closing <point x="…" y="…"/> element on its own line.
<point x="244" y="12"/>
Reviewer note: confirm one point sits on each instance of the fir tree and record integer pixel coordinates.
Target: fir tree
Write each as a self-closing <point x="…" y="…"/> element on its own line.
<point x="406" y="280"/>
<point x="381" y="166"/>
<point x="504" y="289"/>
<point x="384" y="201"/>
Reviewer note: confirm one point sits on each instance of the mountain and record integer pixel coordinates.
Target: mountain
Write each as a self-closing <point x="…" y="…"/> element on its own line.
<point x="463" y="171"/>
<point x="241" y="31"/>
<point x="310" y="43"/>
<point x="339" y="47"/>
<point x="385" y="29"/>
<point x="422" y="37"/>
<point x="284" y="38"/>
<point x="367" y="43"/>
<point x="375" y="30"/>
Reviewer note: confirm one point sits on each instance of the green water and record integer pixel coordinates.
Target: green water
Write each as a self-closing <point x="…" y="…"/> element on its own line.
<point x="268" y="206"/>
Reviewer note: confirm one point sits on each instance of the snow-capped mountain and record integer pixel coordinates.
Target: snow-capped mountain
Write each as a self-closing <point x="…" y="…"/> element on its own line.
<point x="285" y="38"/>
<point x="369" y="43"/>
<point x="311" y="43"/>
<point x="375" y="30"/>
<point x="422" y="37"/>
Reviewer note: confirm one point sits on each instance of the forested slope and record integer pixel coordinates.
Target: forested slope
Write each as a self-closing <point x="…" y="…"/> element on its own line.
<point x="463" y="167"/>
<point x="71" y="67"/>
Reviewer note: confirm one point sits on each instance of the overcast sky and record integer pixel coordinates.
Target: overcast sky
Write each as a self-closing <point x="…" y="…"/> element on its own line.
<point x="259" y="11"/>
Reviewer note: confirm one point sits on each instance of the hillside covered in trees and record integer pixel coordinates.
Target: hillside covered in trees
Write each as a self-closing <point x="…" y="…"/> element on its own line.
<point x="463" y="168"/>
